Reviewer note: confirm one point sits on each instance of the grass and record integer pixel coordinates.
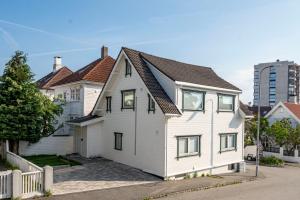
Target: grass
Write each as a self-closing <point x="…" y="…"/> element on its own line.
<point x="272" y="161"/>
<point x="51" y="160"/>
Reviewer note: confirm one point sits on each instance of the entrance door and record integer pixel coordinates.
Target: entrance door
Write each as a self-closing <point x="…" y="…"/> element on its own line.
<point x="80" y="141"/>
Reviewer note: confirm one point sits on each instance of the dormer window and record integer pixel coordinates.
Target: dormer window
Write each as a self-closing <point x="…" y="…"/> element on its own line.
<point x="127" y="68"/>
<point x="151" y="104"/>
<point x="226" y="103"/>
<point x="192" y="100"/>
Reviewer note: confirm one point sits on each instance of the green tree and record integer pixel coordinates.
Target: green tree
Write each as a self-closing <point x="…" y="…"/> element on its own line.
<point x="251" y="130"/>
<point x="25" y="113"/>
<point x="280" y="130"/>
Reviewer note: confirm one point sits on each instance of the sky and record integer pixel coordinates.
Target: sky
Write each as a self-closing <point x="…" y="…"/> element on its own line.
<point x="231" y="36"/>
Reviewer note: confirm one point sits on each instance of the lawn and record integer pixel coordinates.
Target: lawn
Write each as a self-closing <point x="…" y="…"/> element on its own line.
<point x="52" y="160"/>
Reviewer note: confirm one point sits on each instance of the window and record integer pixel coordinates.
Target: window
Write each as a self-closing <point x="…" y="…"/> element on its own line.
<point x="225" y="103"/>
<point x="128" y="99"/>
<point x="75" y="94"/>
<point x="151" y="104"/>
<point x="65" y="96"/>
<point x="127" y="68"/>
<point x="118" y="141"/>
<point x="188" y="146"/>
<point x="272" y="83"/>
<point x="108" y="104"/>
<point x="192" y="100"/>
<point x="228" y="141"/>
<point x="59" y="96"/>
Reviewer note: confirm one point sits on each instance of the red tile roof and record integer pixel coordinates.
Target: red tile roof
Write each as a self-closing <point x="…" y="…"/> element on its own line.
<point x="50" y="79"/>
<point x="294" y="108"/>
<point x="96" y="71"/>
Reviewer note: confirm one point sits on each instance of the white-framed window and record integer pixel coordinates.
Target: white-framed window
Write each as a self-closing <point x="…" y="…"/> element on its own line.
<point x="75" y="94"/>
<point x="225" y="102"/>
<point x="188" y="145"/>
<point x="128" y="99"/>
<point x="228" y="141"/>
<point x="192" y="100"/>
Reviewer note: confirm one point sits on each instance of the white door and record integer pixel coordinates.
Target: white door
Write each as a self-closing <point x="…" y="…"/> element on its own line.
<point x="80" y="141"/>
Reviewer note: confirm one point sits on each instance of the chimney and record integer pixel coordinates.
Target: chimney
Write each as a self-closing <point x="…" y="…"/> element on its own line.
<point x="57" y="63"/>
<point x="104" y="51"/>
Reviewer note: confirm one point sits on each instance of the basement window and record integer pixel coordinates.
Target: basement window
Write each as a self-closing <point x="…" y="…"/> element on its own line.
<point x="118" y="141"/>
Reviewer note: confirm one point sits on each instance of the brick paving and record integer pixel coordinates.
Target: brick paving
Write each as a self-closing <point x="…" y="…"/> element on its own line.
<point x="95" y="174"/>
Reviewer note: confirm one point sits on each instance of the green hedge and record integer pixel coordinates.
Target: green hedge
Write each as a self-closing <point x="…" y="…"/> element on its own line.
<point x="272" y="161"/>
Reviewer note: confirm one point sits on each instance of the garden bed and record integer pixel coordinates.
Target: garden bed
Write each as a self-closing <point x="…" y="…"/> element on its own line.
<point x="51" y="160"/>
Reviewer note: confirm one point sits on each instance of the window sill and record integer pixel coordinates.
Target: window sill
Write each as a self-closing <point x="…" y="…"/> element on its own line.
<point x="229" y="150"/>
<point x="118" y="149"/>
<point x="127" y="109"/>
<point x="228" y="111"/>
<point x="186" y="156"/>
<point x="187" y="110"/>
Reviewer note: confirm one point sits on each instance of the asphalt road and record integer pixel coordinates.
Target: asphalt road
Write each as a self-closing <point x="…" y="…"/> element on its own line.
<point x="278" y="184"/>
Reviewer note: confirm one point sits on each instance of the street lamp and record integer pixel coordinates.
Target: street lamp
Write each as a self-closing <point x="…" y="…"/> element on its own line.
<point x="258" y="121"/>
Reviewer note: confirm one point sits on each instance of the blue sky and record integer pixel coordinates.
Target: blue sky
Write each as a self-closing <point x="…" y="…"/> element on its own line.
<point x="228" y="35"/>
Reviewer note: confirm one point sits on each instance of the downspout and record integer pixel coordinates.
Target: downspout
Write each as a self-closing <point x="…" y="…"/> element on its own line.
<point x="212" y="136"/>
<point x="135" y="125"/>
<point x="166" y="147"/>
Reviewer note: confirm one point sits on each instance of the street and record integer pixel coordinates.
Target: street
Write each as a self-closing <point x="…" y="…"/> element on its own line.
<point x="278" y="184"/>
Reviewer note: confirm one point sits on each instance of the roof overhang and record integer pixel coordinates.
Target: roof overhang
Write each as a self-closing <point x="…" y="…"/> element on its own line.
<point x="244" y="116"/>
<point x="206" y="87"/>
<point x="86" y="123"/>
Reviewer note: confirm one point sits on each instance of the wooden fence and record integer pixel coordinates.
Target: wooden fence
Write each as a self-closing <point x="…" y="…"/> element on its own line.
<point x="5" y="184"/>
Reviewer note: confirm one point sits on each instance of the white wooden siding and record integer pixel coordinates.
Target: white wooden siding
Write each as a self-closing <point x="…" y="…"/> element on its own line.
<point x="281" y="113"/>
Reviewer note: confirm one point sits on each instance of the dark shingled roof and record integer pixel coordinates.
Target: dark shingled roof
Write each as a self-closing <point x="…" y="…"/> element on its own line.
<point x="178" y="71"/>
<point x="245" y="109"/>
<point x="84" y="119"/>
<point x="96" y="71"/>
<point x="263" y="110"/>
<point x="156" y="90"/>
<point x="50" y="79"/>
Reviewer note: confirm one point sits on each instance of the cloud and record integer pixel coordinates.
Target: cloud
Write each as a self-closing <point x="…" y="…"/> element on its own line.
<point x="9" y="39"/>
<point x="62" y="51"/>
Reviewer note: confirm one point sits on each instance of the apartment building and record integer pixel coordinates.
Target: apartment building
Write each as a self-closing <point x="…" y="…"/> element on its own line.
<point x="279" y="81"/>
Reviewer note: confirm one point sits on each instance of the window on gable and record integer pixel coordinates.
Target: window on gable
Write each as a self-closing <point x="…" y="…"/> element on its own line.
<point x="225" y="102"/>
<point x="192" y="100"/>
<point x="151" y="104"/>
<point x="108" y="104"/>
<point x="118" y="141"/>
<point x="75" y="94"/>
<point x="127" y="68"/>
<point x="188" y="146"/>
<point x="128" y="99"/>
<point x="228" y="141"/>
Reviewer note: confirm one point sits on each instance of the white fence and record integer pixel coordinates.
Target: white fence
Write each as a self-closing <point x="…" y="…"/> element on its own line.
<point x="31" y="181"/>
<point x="284" y="155"/>
<point x="21" y="163"/>
<point x="32" y="184"/>
<point x="5" y="184"/>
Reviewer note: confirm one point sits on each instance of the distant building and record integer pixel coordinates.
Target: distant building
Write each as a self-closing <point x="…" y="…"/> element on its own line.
<point x="279" y="82"/>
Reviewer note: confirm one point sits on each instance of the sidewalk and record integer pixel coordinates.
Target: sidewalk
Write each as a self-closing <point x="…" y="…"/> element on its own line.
<point x="160" y="189"/>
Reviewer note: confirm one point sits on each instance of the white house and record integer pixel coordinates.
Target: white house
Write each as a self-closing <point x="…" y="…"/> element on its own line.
<point x="164" y="117"/>
<point x="79" y="92"/>
<point x="282" y="110"/>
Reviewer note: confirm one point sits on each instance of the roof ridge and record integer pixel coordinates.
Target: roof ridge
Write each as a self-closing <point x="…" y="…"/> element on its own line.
<point x="141" y="53"/>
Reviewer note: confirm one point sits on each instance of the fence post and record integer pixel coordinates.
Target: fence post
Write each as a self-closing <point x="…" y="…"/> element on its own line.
<point x="296" y="155"/>
<point x="281" y="152"/>
<point x="48" y="178"/>
<point x="16" y="184"/>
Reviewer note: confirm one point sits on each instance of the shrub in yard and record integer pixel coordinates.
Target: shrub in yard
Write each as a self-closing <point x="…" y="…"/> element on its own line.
<point x="272" y="161"/>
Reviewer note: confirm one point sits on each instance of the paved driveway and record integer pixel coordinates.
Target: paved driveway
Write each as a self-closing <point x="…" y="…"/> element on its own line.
<point x="97" y="174"/>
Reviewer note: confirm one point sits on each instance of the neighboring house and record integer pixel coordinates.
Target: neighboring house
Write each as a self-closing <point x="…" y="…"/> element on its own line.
<point x="78" y="91"/>
<point x="279" y="82"/>
<point x="263" y="110"/>
<point x="282" y="110"/>
<point x="165" y="117"/>
<point x="59" y="72"/>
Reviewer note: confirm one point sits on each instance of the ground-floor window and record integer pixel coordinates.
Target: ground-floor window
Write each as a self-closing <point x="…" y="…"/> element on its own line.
<point x="228" y="141"/>
<point x="118" y="141"/>
<point x="188" y="145"/>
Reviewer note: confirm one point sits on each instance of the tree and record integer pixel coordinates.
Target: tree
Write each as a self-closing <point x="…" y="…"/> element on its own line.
<point x="25" y="113"/>
<point x="280" y="130"/>
<point x="251" y="130"/>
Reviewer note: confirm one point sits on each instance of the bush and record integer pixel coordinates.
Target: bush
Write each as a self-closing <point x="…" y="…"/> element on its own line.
<point x="271" y="161"/>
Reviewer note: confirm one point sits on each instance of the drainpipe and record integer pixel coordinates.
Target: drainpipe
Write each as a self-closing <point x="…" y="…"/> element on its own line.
<point x="135" y="125"/>
<point x="211" y="136"/>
